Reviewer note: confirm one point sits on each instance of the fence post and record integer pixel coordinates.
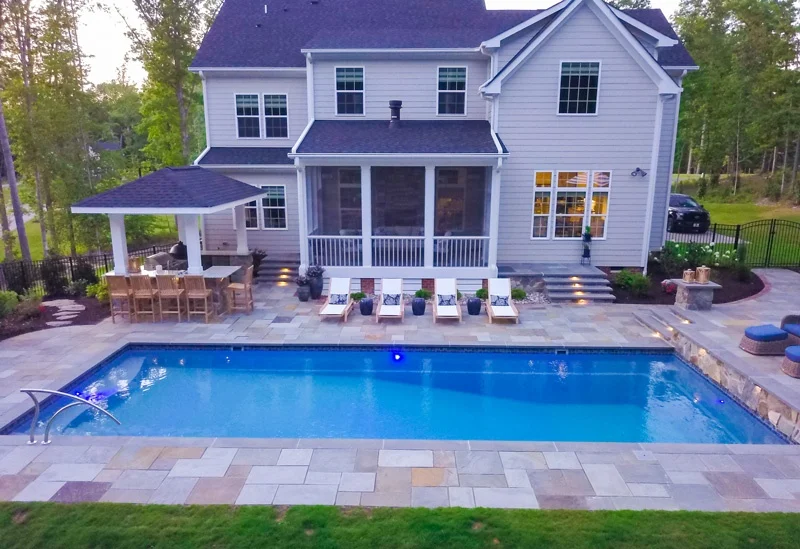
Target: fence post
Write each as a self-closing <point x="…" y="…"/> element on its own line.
<point x="736" y="238"/>
<point x="714" y="233"/>
<point x="768" y="254"/>
<point x="105" y="261"/>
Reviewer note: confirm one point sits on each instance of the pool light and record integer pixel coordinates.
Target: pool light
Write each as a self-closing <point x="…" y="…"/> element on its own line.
<point x="396" y="356"/>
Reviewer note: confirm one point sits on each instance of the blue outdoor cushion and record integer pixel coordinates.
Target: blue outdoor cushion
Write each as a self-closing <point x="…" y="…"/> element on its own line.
<point x="793" y="329"/>
<point x="793" y="353"/>
<point x="765" y="333"/>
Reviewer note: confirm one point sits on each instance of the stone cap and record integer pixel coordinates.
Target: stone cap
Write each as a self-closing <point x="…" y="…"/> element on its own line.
<point x="695" y="285"/>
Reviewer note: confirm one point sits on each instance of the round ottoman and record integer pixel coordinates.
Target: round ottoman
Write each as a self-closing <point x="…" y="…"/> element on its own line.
<point x="791" y="361"/>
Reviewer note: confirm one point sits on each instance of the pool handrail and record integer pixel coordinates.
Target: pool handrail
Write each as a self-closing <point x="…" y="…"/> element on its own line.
<point x="36" y="408"/>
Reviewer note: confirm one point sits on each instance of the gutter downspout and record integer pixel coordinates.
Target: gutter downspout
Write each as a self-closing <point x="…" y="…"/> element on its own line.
<point x="205" y="110"/>
<point x="651" y="191"/>
<point x="672" y="157"/>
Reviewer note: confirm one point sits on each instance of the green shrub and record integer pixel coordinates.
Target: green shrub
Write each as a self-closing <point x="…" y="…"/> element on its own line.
<point x="28" y="309"/>
<point x="741" y="253"/>
<point x="54" y="277"/>
<point x="83" y="270"/>
<point x="99" y="291"/>
<point x="637" y="283"/>
<point x="743" y="272"/>
<point x="483" y="294"/>
<point x="358" y="296"/>
<point x="8" y="302"/>
<point x="518" y="294"/>
<point x="423" y="293"/>
<point x="77" y="288"/>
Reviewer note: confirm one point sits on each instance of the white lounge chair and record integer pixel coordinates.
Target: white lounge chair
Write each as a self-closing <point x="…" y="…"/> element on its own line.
<point x="339" y="303"/>
<point x="501" y="288"/>
<point x="391" y="292"/>
<point x="445" y="299"/>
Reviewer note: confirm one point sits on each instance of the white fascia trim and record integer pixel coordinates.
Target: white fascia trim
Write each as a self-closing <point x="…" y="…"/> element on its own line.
<point x="495" y="41"/>
<point x="247" y="69"/>
<point x="494" y="85"/>
<point x="301" y="138"/>
<point x="392" y="50"/>
<point x="289" y="167"/>
<point x="662" y="40"/>
<point x="398" y="155"/>
<point x="165" y="211"/>
<point x="202" y="154"/>
<point x="688" y="68"/>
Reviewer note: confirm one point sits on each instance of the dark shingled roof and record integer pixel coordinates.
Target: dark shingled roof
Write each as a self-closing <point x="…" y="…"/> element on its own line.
<point x="411" y="137"/>
<point x="186" y="187"/>
<point x="246" y="156"/>
<point x="244" y="36"/>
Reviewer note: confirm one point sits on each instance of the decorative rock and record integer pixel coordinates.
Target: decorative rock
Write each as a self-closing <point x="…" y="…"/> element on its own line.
<point x="58" y="323"/>
<point x="695" y="297"/>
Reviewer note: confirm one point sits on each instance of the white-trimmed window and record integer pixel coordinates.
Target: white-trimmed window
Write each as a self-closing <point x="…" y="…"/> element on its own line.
<point x="598" y="212"/>
<point x="276" y="116"/>
<point x="578" y="90"/>
<point x="570" y="210"/>
<point x="452" y="94"/>
<point x="350" y="90"/>
<point x="542" y="199"/>
<point x="248" y="123"/>
<point x="273" y="207"/>
<point x="250" y="215"/>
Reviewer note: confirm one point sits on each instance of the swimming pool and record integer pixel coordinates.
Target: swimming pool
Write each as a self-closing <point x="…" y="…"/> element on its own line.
<point x="416" y="393"/>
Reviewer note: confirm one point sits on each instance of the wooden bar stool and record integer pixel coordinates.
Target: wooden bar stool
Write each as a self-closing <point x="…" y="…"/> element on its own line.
<point x="119" y="292"/>
<point x="243" y="289"/>
<point x="169" y="290"/>
<point x="143" y="293"/>
<point x="197" y="293"/>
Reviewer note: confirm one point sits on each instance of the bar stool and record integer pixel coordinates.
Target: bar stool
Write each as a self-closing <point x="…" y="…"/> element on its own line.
<point x="245" y="289"/>
<point x="169" y="290"/>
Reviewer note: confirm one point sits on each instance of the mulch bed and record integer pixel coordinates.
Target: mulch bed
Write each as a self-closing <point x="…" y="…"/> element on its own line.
<point x="733" y="289"/>
<point x="15" y="324"/>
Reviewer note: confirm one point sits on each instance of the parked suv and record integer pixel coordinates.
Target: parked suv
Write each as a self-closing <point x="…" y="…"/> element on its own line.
<point x="686" y="215"/>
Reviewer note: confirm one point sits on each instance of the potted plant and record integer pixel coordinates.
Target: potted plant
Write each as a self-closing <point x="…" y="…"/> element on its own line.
<point x="258" y="257"/>
<point x="586" y="256"/>
<point x="418" y="302"/>
<point x="474" y="303"/>
<point x="314" y="274"/>
<point x="365" y="303"/>
<point x="303" y="288"/>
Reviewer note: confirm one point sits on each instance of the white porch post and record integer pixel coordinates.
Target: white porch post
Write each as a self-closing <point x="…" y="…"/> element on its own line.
<point x="193" y="243"/>
<point x="119" y="243"/>
<point x="366" y="215"/>
<point x="241" y="230"/>
<point x="430" y="212"/>
<point x="494" y="217"/>
<point x="302" y="210"/>
<point x="181" y="228"/>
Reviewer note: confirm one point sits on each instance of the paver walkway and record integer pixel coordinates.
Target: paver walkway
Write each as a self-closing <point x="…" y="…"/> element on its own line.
<point x="375" y="472"/>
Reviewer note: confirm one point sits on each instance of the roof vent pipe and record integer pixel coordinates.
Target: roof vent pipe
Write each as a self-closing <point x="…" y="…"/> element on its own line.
<point x="394" y="107"/>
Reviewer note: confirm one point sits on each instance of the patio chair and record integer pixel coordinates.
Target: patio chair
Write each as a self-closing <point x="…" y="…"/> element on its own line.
<point x="143" y="293"/>
<point x="120" y="293"/>
<point x="339" y="303"/>
<point x="769" y="340"/>
<point x="791" y="362"/>
<point x="390" y="300"/>
<point x="169" y="290"/>
<point x="445" y="300"/>
<point x="243" y="289"/>
<point x="499" y="304"/>
<point x="197" y="294"/>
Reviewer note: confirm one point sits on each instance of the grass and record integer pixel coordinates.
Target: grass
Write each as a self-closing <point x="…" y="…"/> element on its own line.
<point x="34" y="242"/>
<point x="121" y="526"/>
<point x="737" y="214"/>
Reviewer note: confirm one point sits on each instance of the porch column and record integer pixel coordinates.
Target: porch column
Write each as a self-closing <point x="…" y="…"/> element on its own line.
<point x="241" y="230"/>
<point x="366" y="215"/>
<point x="193" y="243"/>
<point x="119" y="243"/>
<point x="494" y="217"/>
<point x="181" y="228"/>
<point x="302" y="219"/>
<point x="430" y="213"/>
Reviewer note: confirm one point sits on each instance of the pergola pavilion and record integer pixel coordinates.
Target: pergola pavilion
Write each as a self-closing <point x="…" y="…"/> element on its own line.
<point x="185" y="192"/>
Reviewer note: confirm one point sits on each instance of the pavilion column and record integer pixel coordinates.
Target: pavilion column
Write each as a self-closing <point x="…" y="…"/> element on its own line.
<point x="430" y="213"/>
<point x="366" y="215"/>
<point x="494" y="218"/>
<point x="241" y="230"/>
<point x="193" y="243"/>
<point x="119" y="243"/>
<point x="181" y="228"/>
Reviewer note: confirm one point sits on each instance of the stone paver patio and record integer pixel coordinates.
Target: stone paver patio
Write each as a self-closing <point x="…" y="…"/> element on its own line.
<point x="398" y="473"/>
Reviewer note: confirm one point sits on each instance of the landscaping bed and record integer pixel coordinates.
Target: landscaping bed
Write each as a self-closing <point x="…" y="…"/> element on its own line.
<point x="52" y="313"/>
<point x="733" y="289"/>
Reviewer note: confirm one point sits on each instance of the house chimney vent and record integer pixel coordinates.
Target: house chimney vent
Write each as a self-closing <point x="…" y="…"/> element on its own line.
<point x="394" y="108"/>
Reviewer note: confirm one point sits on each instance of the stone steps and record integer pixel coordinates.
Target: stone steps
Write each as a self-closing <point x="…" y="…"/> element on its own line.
<point x="276" y="271"/>
<point x="580" y="287"/>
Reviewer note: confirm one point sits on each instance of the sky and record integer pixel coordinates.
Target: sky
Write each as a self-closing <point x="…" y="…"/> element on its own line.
<point x="102" y="34"/>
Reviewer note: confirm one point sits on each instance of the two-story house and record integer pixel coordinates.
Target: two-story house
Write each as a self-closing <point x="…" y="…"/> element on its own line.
<point x="421" y="139"/>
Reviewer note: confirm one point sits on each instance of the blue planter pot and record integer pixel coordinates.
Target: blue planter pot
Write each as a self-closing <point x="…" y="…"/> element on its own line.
<point x="366" y="306"/>
<point x="315" y="284"/>
<point x="303" y="293"/>
<point x="474" y="306"/>
<point x="418" y="306"/>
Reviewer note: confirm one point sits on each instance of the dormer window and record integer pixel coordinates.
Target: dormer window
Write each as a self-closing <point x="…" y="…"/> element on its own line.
<point x="350" y="90"/>
<point x="248" y="124"/>
<point x="452" y="87"/>
<point x="579" y="85"/>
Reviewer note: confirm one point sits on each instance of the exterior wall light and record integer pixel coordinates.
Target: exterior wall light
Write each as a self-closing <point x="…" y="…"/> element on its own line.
<point x="640" y="172"/>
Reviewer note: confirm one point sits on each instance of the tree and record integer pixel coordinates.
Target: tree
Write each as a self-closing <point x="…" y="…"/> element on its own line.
<point x="630" y="4"/>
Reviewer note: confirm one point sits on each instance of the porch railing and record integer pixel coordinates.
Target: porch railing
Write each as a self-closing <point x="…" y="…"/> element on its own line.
<point x="398" y="251"/>
<point x="335" y="251"/>
<point x="461" y="251"/>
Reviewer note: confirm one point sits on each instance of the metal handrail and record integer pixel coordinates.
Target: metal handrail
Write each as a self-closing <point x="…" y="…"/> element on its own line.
<point x="36" y="408"/>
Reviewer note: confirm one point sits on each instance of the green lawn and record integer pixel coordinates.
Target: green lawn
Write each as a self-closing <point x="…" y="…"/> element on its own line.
<point x="34" y="241"/>
<point x="120" y="526"/>
<point x="737" y="214"/>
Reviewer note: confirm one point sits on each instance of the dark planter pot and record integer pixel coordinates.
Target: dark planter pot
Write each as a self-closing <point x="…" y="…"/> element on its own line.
<point x="303" y="293"/>
<point x="315" y="284"/>
<point x="366" y="306"/>
<point x="418" y="306"/>
<point x="474" y="306"/>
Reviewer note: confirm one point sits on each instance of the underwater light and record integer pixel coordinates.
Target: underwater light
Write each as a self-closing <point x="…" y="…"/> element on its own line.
<point x="397" y="357"/>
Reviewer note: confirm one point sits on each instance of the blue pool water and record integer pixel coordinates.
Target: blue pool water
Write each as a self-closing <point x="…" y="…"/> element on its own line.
<point x="420" y="394"/>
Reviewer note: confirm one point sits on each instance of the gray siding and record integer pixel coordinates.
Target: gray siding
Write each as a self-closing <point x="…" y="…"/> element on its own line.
<point x="220" y="92"/>
<point x="619" y="138"/>
<point x="221" y="235"/>
<point x="664" y="177"/>
<point x="412" y="82"/>
<point x="513" y="44"/>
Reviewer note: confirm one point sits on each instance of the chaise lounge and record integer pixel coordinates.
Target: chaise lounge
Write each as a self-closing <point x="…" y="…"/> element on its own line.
<point x="390" y="302"/>
<point x="339" y="301"/>
<point x="445" y="300"/>
<point x="499" y="304"/>
<point x="769" y="340"/>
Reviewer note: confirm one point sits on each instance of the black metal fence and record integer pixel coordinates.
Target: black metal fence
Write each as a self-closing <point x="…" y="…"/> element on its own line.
<point x="767" y="243"/>
<point x="44" y="277"/>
